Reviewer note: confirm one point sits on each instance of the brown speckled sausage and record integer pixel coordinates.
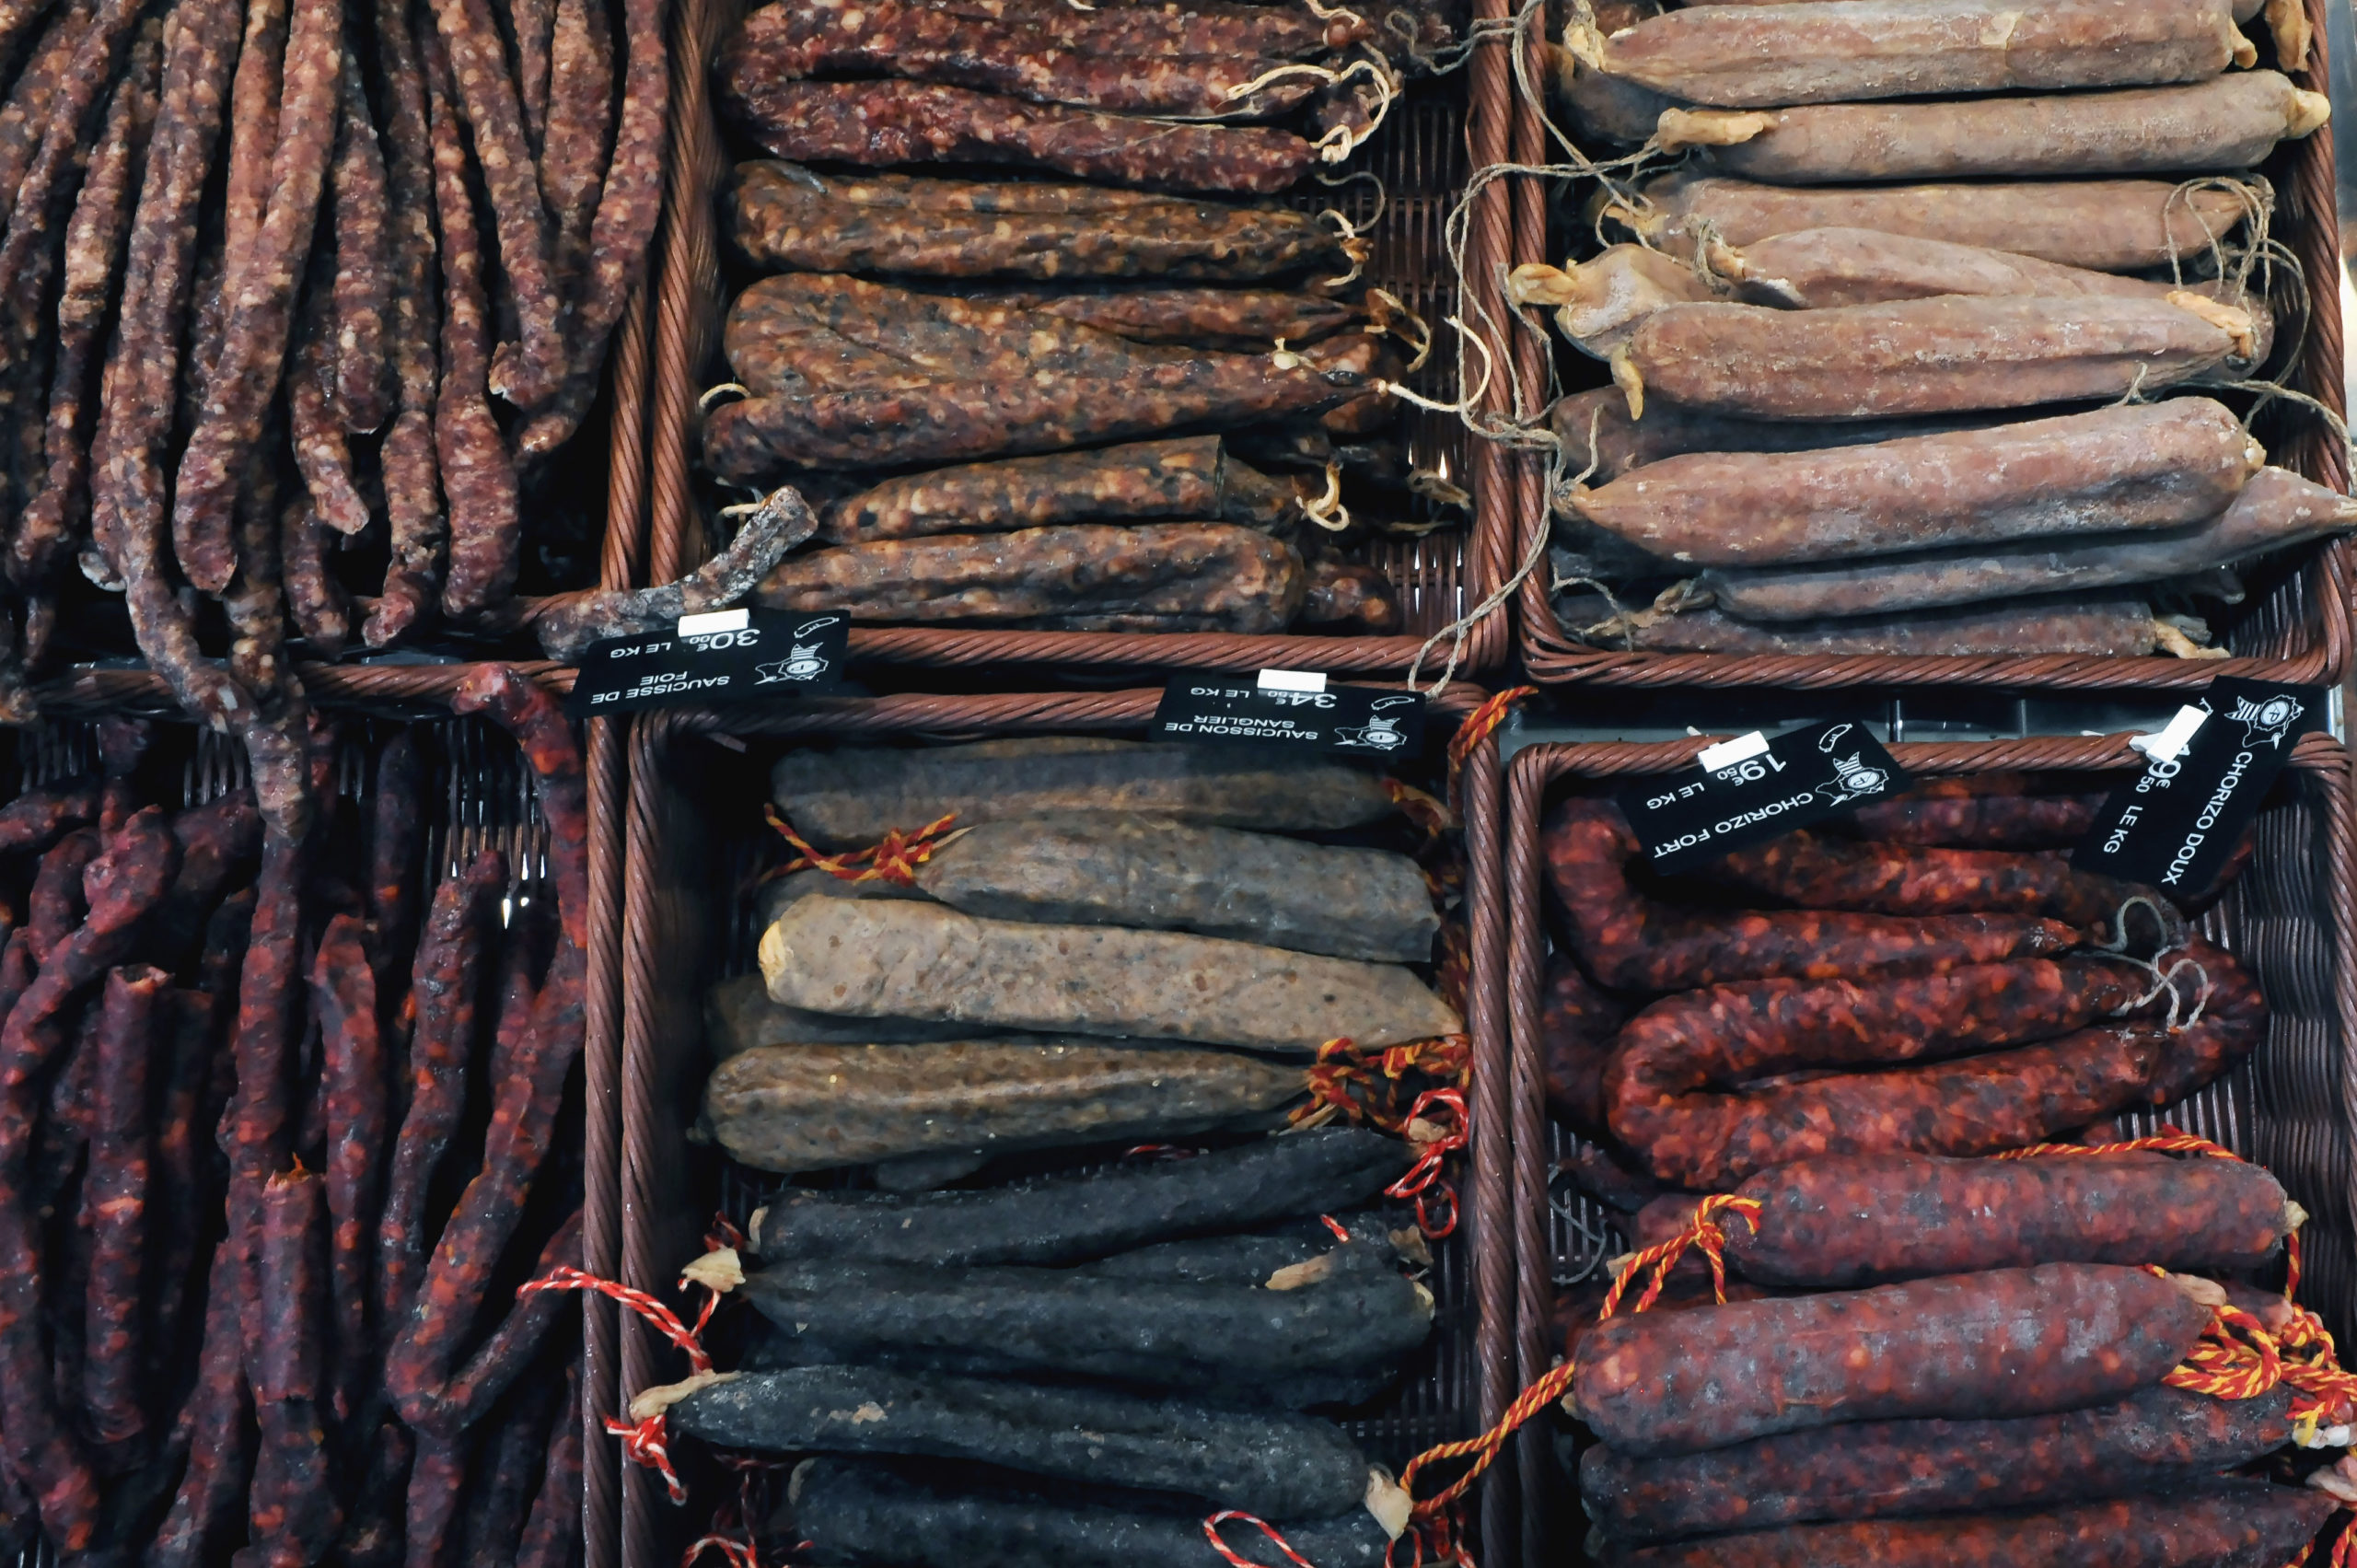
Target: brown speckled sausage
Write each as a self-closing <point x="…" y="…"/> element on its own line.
<point x="116" y="1191"/>
<point x="2004" y="1342"/>
<point x="2158" y="1440"/>
<point x="580" y="119"/>
<point x="254" y="334"/>
<point x="1850" y="1220"/>
<point x="2219" y="1524"/>
<point x="478" y="475"/>
<point x="1231" y="578"/>
<point x="1178" y="479"/>
<point x="2121" y="625"/>
<point x="783" y="215"/>
<point x="352" y="1075"/>
<point x="1628" y="941"/>
<point x="363" y="279"/>
<point x="901" y="122"/>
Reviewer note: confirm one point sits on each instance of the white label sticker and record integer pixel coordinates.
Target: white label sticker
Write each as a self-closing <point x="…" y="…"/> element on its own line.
<point x="715" y="620"/>
<point x="1728" y="753"/>
<point x="1291" y="680"/>
<point x="2171" y="741"/>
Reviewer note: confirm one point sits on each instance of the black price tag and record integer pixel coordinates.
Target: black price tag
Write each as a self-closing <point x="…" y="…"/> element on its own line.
<point x="1289" y="708"/>
<point x="2173" y="826"/>
<point x="1753" y="788"/>
<point x="728" y="656"/>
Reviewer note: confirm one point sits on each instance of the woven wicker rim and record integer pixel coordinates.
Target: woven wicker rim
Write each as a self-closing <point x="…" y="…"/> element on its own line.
<point x="1538" y="767"/>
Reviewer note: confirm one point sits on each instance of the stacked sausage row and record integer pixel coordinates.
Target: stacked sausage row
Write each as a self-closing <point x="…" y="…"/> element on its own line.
<point x="1943" y="982"/>
<point x="262" y="1240"/>
<point x="1117" y="951"/>
<point x="1023" y="319"/>
<point x="1954" y="1361"/>
<point x="1822" y="365"/>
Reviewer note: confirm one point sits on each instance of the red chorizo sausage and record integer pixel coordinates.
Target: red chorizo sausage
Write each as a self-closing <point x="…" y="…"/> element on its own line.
<point x="2239" y="1525"/>
<point x="2008" y="817"/>
<point x="1627" y="940"/>
<point x="1850" y="1219"/>
<point x="2006" y="1099"/>
<point x="2156" y="1440"/>
<point x="1729" y="1034"/>
<point x="2232" y="1020"/>
<point x="1577" y="1026"/>
<point x="2004" y="1342"/>
<point x="1820" y="873"/>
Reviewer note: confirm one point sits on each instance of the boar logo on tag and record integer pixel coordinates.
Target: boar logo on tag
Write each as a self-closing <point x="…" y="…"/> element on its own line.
<point x="802" y="662"/>
<point x="1855" y="779"/>
<point x="2269" y="721"/>
<point x="1380" y="733"/>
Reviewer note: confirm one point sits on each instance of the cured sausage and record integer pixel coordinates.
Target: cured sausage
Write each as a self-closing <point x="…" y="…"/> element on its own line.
<point x="1738" y="57"/>
<point x="2158" y="1440"/>
<point x="1278" y="1464"/>
<point x="1630" y="942"/>
<point x="1822" y="873"/>
<point x="1980" y="811"/>
<point x="850" y="799"/>
<point x="1577" y="1027"/>
<point x="1051" y="1222"/>
<point x="1949" y="355"/>
<point x="904" y="960"/>
<point x="116" y="1191"/>
<point x="2003" y="1342"/>
<point x="2237" y="1525"/>
<point x="2005" y="1099"/>
<point x="809" y="1107"/>
<point x="2138" y="467"/>
<point x="2111" y="226"/>
<point x="2121" y="627"/>
<point x="352" y="1088"/>
<point x="2228" y="123"/>
<point x="1847" y="1221"/>
<point x="783" y="215"/>
<point x="1217" y="576"/>
<point x="1729" y="1034"/>
<point x="2275" y="510"/>
<point x="2232" y="1022"/>
<point x="890" y="122"/>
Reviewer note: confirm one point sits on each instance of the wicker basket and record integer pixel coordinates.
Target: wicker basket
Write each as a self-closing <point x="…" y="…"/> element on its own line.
<point x="2291" y="917"/>
<point x="2297" y="631"/>
<point x="698" y="783"/>
<point x="1421" y="156"/>
<point x="480" y="795"/>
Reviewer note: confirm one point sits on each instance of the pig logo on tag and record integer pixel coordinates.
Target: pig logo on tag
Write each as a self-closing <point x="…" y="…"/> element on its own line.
<point x="802" y="662"/>
<point x="2269" y="721"/>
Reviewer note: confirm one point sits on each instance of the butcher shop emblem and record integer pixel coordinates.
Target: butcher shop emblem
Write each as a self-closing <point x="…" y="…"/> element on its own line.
<point x="802" y="662"/>
<point x="1855" y="779"/>
<point x="2269" y="721"/>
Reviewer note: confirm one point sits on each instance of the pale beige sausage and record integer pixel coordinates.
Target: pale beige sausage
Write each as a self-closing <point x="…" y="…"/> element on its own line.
<point x="850" y="799"/>
<point x="2134" y="467"/>
<point x="819" y="1107"/>
<point x="2228" y="123"/>
<point x="1842" y="50"/>
<point x="2112" y="225"/>
<point x="2276" y="509"/>
<point x="923" y="961"/>
<point x="1944" y="355"/>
